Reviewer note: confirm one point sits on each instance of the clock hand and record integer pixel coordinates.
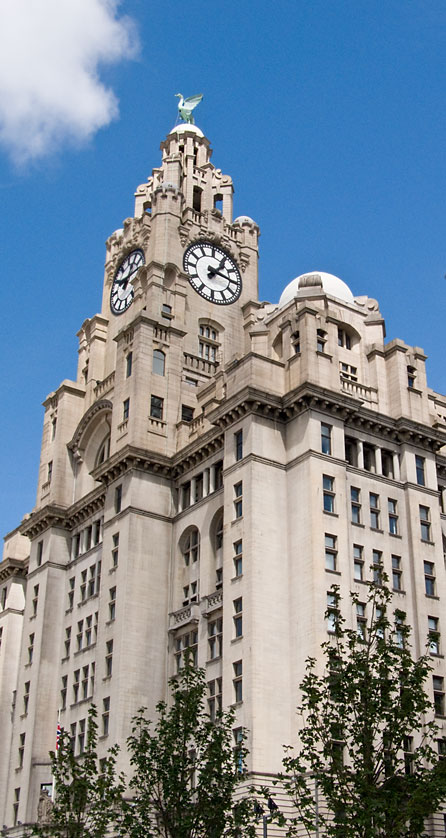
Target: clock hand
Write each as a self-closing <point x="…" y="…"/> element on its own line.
<point x="213" y="271"/>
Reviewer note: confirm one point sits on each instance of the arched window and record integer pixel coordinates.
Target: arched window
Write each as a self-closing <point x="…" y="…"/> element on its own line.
<point x="191" y="547"/>
<point x="103" y="451"/>
<point x="159" y="362"/>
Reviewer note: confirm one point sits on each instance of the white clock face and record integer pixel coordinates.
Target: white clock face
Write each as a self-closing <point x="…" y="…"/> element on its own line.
<point x="121" y="294"/>
<point x="212" y="273"/>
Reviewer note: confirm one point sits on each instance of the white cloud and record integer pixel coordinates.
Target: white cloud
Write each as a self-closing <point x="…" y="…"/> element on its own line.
<point x="50" y="90"/>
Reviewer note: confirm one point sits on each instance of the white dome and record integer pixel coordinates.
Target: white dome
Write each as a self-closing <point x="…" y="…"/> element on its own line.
<point x="187" y="126"/>
<point x="244" y="219"/>
<point x="332" y="285"/>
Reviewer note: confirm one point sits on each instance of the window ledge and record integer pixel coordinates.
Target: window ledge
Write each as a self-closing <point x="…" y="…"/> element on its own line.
<point x="112" y="569"/>
<point x="435" y="655"/>
<point x="236" y="520"/>
<point x="376" y="529"/>
<point x="235" y="578"/>
<point x="431" y="543"/>
<point x="395" y="534"/>
<point x="324" y="355"/>
<point x="236" y="639"/>
<point x="398" y="591"/>
<point x="336" y="572"/>
<point x="432" y="596"/>
<point x="358" y="524"/>
<point x="331" y="514"/>
<point x="107" y="678"/>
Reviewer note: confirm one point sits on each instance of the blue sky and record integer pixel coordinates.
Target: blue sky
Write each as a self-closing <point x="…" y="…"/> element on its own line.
<point x="328" y="114"/>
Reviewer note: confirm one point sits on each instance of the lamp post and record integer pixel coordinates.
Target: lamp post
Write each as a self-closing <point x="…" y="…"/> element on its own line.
<point x="260" y="812"/>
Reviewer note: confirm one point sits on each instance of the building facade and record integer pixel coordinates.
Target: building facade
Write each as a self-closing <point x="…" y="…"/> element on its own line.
<point x="217" y="465"/>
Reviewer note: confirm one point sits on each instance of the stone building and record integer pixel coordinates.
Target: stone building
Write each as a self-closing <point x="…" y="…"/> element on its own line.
<point x="218" y="463"/>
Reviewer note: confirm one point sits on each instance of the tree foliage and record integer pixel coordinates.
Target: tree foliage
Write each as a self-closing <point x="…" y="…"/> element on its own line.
<point x="368" y="733"/>
<point x="186" y="774"/>
<point x="88" y="793"/>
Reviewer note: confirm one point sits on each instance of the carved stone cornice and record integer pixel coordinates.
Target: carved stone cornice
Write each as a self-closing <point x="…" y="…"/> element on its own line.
<point x="51" y="515"/>
<point x="13" y="567"/>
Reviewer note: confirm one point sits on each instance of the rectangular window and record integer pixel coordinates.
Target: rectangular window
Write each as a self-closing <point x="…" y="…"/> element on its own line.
<point x="330" y="552"/>
<point x="215" y="628"/>
<point x="387" y="463"/>
<point x="355" y="496"/>
<point x="88" y="635"/>
<point x="434" y="635"/>
<point x="156" y="407"/>
<point x="425" y="523"/>
<point x="63" y="692"/>
<point x="397" y="583"/>
<point x="325" y="438"/>
<point x="87" y="538"/>
<point x="73" y="737"/>
<point x="118" y="499"/>
<point x="81" y="737"/>
<point x="238" y="617"/>
<point x="39" y="553"/>
<point x="332" y="613"/>
<point x="438" y="685"/>
<point x="295" y="340"/>
<point x="351" y="451"/>
<point x="429" y="578"/>
<point x="238" y="681"/>
<point x="374" y="511"/>
<point x="112" y="604"/>
<point x="238" y="558"/>
<point x="83" y="587"/>
<point x="35" y="601"/>
<point x="50" y="471"/>
<point x="214" y="698"/>
<point x="238" y="502"/>
<point x="105" y="716"/>
<point x="76" y="680"/>
<point x="411" y="376"/>
<point x="187" y="413"/>
<point x="15" y="806"/>
<point x="393" y="516"/>
<point x="186" y="644"/>
<point x="358" y="563"/>
<point x="21" y="749"/>
<point x="109" y="659"/>
<point x="347" y="372"/>
<point x="321" y="338"/>
<point x="97" y="531"/>
<point x="344" y="339"/>
<point x="67" y="641"/>
<point x="31" y="648"/>
<point x="361" y="621"/>
<point x="128" y="365"/>
<point x="26" y="697"/>
<point x="377" y="559"/>
<point x="85" y="670"/>
<point x="125" y="409"/>
<point x="419" y="465"/>
<point x="369" y="457"/>
<point x="238" y="439"/>
<point x="80" y="631"/>
<point x="328" y="493"/>
<point x="115" y="549"/>
<point x="408" y="754"/>
<point x="71" y="593"/>
<point x="166" y="310"/>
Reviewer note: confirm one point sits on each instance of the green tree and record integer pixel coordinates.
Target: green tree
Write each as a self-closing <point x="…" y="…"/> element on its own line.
<point x="188" y="780"/>
<point x="88" y="792"/>
<point x="367" y="764"/>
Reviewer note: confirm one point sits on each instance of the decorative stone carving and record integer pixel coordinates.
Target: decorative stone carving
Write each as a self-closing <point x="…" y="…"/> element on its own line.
<point x="44" y="807"/>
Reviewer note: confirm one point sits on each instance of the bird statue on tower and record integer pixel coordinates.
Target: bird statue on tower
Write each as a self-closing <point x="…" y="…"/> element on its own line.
<point x="186" y="106"/>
